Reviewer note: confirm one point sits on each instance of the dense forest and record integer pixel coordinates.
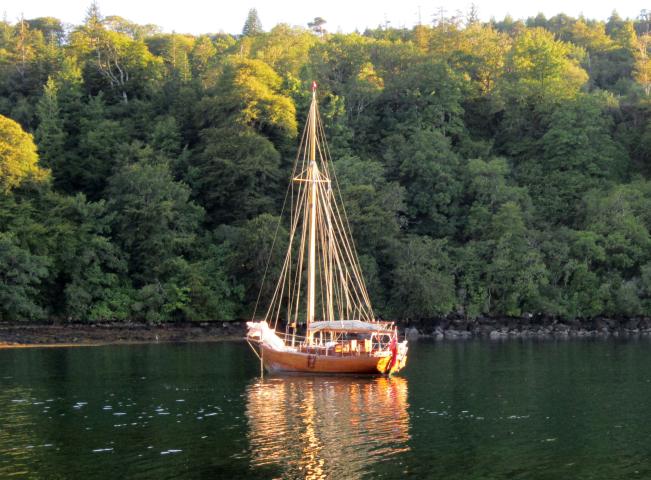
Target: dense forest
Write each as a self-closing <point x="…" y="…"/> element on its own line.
<point x="488" y="168"/>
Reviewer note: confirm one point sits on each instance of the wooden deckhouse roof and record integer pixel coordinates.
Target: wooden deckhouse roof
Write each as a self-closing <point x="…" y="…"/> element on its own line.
<point x="351" y="326"/>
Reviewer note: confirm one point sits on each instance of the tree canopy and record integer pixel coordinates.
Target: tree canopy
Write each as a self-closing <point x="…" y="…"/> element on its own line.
<point x="18" y="157"/>
<point x="487" y="168"/>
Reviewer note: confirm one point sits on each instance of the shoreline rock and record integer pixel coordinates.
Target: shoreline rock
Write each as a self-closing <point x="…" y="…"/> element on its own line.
<point x="12" y="335"/>
<point x="458" y="328"/>
<point x="444" y="328"/>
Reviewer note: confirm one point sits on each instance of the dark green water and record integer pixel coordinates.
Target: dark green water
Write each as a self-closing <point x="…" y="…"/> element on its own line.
<point x="548" y="410"/>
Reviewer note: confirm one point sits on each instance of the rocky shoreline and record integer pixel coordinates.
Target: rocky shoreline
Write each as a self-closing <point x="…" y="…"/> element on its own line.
<point x="21" y="335"/>
<point x="528" y="327"/>
<point x="16" y="335"/>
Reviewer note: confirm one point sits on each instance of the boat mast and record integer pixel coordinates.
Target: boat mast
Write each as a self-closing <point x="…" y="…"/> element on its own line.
<point x="313" y="178"/>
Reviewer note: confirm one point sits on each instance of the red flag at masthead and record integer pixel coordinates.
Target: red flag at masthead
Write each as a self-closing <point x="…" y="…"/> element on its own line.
<point x="314" y="85"/>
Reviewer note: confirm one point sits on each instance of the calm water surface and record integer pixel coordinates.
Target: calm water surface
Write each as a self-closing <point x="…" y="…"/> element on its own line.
<point x="547" y="410"/>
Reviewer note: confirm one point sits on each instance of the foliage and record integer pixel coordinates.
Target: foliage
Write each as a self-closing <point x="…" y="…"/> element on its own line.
<point x="234" y="172"/>
<point x="543" y="67"/>
<point x="153" y="218"/>
<point x="18" y="157"/>
<point x="20" y="274"/>
<point x="487" y="168"/>
<point x="259" y="250"/>
<point x="252" y="26"/>
<point x="426" y="166"/>
<point x="50" y="134"/>
<point x="421" y="286"/>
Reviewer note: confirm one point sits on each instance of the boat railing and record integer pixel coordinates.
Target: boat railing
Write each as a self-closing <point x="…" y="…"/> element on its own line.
<point x="337" y="346"/>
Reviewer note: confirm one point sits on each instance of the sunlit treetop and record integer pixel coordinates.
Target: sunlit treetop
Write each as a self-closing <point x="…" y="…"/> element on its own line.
<point x="18" y="157"/>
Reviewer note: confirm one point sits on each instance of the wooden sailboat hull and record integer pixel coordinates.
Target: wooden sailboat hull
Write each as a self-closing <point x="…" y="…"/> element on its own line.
<point x="276" y="361"/>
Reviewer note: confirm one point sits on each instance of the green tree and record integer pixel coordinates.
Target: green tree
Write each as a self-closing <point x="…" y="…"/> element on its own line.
<point x="50" y="135"/>
<point x="252" y="25"/>
<point x="317" y="25"/>
<point x="18" y="157"/>
<point x="489" y="188"/>
<point x="578" y="154"/>
<point x="483" y="53"/>
<point x="581" y="284"/>
<point x="121" y="63"/>
<point x="429" y="170"/>
<point x="285" y="49"/>
<point x="91" y="269"/>
<point x="20" y="274"/>
<point x="374" y="207"/>
<point x="642" y="73"/>
<point x="51" y="28"/>
<point x="516" y="272"/>
<point x="544" y="68"/>
<point x="94" y="158"/>
<point x="421" y="286"/>
<point x="510" y="157"/>
<point x="235" y="174"/>
<point x="202" y="56"/>
<point x="249" y="94"/>
<point x="152" y="218"/>
<point x="259" y="246"/>
<point x="211" y="293"/>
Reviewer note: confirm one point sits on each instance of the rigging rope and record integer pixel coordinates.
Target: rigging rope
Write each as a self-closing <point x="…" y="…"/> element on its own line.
<point x="342" y="287"/>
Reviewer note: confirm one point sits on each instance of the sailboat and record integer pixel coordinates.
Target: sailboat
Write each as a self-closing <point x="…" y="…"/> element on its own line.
<point x="320" y="294"/>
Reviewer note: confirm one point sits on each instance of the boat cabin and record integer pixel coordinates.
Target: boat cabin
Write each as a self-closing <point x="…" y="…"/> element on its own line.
<point x="348" y="337"/>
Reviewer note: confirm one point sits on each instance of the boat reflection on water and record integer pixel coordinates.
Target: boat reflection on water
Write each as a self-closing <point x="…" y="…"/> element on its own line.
<point x="318" y="427"/>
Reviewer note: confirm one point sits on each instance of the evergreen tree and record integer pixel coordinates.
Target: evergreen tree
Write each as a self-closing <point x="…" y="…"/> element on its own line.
<point x="252" y="25"/>
<point x="152" y="218"/>
<point x="50" y="136"/>
<point x="20" y="274"/>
